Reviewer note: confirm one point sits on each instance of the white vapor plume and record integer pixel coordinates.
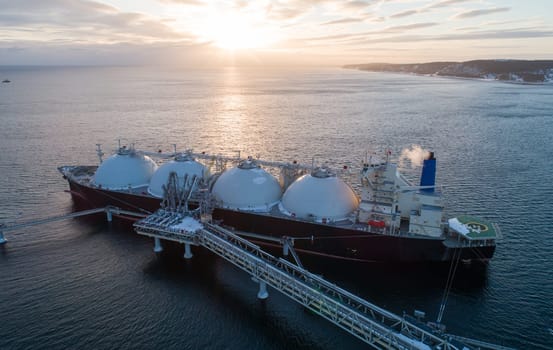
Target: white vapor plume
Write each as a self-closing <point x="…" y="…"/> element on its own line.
<point x="413" y="156"/>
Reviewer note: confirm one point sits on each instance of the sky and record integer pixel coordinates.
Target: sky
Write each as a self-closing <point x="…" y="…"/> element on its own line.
<point x="265" y="32"/>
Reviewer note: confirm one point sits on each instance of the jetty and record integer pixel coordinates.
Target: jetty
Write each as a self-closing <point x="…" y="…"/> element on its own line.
<point x="364" y="320"/>
<point x="109" y="211"/>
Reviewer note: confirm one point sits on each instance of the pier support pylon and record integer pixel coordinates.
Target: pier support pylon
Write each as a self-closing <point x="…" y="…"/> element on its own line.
<point x="2" y="238"/>
<point x="285" y="248"/>
<point x="262" y="294"/>
<point x="187" y="251"/>
<point x="157" y="245"/>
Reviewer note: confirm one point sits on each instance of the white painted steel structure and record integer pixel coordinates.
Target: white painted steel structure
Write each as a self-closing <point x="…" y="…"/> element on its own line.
<point x="319" y="196"/>
<point x="370" y="323"/>
<point x="182" y="165"/>
<point x="109" y="210"/>
<point x="125" y="169"/>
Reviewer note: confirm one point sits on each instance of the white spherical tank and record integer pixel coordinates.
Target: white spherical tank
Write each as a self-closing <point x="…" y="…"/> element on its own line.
<point x="319" y="196"/>
<point x="247" y="187"/>
<point x="125" y="169"/>
<point x="182" y="165"/>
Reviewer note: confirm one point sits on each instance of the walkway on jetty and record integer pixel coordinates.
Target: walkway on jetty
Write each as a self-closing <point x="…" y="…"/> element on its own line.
<point x="109" y="210"/>
<point x="368" y="322"/>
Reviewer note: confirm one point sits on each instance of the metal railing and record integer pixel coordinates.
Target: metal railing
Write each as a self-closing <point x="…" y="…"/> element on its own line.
<point x="366" y="321"/>
<point x="109" y="210"/>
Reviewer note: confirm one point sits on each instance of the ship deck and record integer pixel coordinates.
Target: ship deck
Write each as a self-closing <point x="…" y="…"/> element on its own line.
<point x="479" y="229"/>
<point x="84" y="175"/>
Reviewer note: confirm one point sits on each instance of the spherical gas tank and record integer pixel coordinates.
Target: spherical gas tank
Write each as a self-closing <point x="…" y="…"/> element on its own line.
<point x="182" y="165"/>
<point x="247" y="187"/>
<point x="123" y="170"/>
<point x="319" y="196"/>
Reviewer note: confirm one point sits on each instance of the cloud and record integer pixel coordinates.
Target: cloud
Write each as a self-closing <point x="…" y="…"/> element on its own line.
<point x="482" y="35"/>
<point x="482" y="12"/>
<point x="294" y="9"/>
<point x="523" y="24"/>
<point x="372" y="48"/>
<point x="183" y="2"/>
<point x="362" y="36"/>
<point x="332" y="37"/>
<point x="355" y="5"/>
<point x="83" y="21"/>
<point x="48" y="7"/>
<point x="445" y="3"/>
<point x="465" y="29"/>
<point x="404" y="14"/>
<point x="284" y="13"/>
<point x="291" y="9"/>
<point x="311" y="27"/>
<point x="437" y="5"/>
<point x="407" y="27"/>
<point x="504" y="34"/>
<point x="343" y="20"/>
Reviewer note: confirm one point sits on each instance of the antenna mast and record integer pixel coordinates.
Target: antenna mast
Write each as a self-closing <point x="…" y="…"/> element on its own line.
<point x="99" y="152"/>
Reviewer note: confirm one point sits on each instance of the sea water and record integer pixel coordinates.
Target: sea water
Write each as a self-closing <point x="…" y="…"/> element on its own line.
<point x="87" y="284"/>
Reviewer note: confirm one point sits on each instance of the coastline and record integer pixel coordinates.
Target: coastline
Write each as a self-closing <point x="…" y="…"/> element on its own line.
<point x="538" y="72"/>
<point x="515" y="82"/>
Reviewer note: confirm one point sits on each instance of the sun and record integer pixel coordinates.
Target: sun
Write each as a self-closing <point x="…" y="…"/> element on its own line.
<point x="238" y="31"/>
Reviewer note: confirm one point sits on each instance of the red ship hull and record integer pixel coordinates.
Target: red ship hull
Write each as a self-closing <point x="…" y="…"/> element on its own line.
<point x="311" y="240"/>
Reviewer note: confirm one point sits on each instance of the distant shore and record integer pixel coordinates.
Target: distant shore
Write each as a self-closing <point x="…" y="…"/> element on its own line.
<point x="515" y="71"/>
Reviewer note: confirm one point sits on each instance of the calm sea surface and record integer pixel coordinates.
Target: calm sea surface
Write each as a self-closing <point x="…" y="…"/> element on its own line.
<point x="84" y="284"/>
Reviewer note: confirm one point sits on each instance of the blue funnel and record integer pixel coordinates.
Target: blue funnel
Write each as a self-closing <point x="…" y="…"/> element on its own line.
<point x="428" y="176"/>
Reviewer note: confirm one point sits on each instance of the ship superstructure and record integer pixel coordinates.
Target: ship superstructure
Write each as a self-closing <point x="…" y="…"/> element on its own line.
<point x="389" y="202"/>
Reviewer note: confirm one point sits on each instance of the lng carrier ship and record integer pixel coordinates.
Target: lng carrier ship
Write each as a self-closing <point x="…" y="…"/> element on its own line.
<point x="385" y="219"/>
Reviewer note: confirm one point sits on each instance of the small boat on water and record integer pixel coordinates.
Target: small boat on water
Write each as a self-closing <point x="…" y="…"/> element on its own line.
<point x="376" y="216"/>
<point x="6" y="81"/>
